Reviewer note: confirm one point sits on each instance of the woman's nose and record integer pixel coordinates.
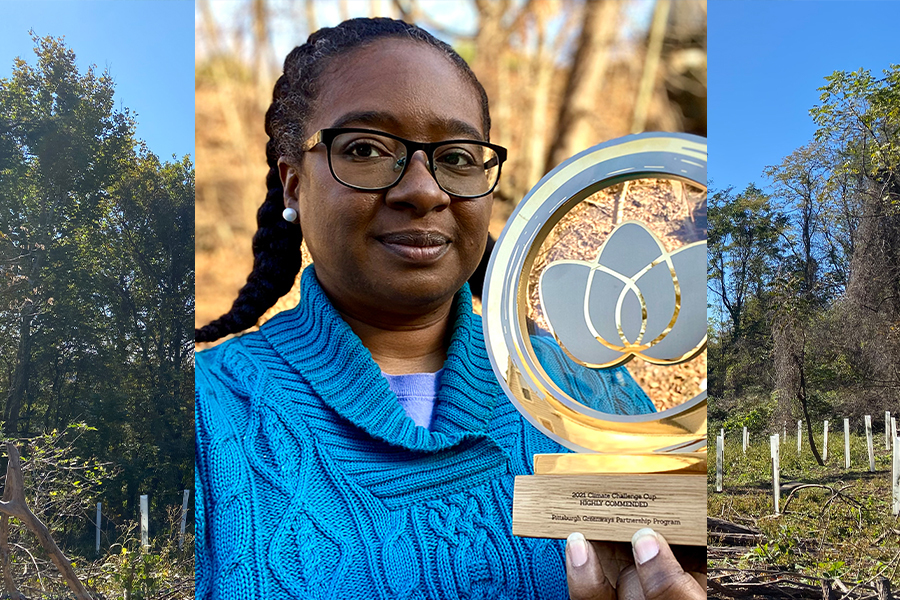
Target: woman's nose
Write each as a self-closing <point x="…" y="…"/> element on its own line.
<point x="417" y="189"/>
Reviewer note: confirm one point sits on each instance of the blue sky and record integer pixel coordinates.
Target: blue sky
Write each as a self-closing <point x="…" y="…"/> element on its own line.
<point x="766" y="60"/>
<point x="147" y="46"/>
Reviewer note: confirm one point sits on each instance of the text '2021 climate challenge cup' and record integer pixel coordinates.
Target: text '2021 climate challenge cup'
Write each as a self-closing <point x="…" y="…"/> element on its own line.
<point x="595" y="322"/>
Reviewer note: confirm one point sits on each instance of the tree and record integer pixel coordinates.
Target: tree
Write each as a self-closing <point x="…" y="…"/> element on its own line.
<point x="743" y="248"/>
<point x="585" y="80"/>
<point x="859" y="122"/>
<point x="150" y="283"/>
<point x="859" y="116"/>
<point x="97" y="272"/>
<point x="800" y="183"/>
<point x="791" y="323"/>
<point x="63" y="145"/>
<point x="743" y="252"/>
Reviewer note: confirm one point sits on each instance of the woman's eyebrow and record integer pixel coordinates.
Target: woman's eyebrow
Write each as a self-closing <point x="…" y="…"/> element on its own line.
<point x="461" y="128"/>
<point x="380" y="119"/>
<point x="369" y="118"/>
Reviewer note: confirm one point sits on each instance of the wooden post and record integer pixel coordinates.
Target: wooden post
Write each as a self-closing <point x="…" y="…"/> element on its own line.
<point x="97" y="545"/>
<point x="783" y="433"/>
<point x="774" y="443"/>
<point x="846" y="443"/>
<point x="895" y="480"/>
<point x="869" y="444"/>
<point x="887" y="430"/>
<point x="799" y="436"/>
<point x="745" y="438"/>
<point x="145" y="517"/>
<point x="825" y="444"/>
<point x="184" y="508"/>
<point x="893" y="428"/>
<point x="720" y="458"/>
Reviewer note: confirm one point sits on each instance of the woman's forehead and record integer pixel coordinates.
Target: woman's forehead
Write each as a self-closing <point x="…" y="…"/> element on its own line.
<point x="404" y="86"/>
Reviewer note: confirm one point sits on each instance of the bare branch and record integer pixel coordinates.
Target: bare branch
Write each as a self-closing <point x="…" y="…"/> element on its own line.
<point x="14" y="505"/>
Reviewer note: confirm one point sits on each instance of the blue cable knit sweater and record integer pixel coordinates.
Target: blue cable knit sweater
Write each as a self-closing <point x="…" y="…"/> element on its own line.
<point x="312" y="482"/>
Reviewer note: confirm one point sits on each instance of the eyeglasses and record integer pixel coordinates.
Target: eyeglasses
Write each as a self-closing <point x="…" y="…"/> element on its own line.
<point x="368" y="160"/>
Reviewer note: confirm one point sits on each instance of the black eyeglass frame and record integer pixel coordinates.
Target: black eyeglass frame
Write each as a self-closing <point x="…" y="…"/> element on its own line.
<point x="326" y="136"/>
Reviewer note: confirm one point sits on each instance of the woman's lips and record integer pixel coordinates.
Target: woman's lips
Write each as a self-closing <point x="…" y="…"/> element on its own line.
<point x="416" y="246"/>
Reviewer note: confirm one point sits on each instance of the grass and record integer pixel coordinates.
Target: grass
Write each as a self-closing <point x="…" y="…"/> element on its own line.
<point x="818" y="538"/>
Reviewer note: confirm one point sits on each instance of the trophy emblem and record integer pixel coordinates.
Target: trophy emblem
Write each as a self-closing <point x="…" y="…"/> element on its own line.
<point x="595" y="323"/>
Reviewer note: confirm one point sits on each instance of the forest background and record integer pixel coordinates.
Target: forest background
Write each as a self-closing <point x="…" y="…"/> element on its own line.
<point x="803" y="296"/>
<point x="561" y="75"/>
<point x="96" y="302"/>
<point x="804" y="261"/>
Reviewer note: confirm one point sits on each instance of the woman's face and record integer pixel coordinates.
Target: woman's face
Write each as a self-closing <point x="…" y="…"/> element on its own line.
<point x="407" y="250"/>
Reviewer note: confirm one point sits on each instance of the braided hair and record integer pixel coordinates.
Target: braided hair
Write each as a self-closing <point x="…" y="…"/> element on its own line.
<point x="276" y="244"/>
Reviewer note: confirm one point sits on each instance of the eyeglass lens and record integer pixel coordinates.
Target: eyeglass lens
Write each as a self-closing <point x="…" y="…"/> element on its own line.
<point x="371" y="161"/>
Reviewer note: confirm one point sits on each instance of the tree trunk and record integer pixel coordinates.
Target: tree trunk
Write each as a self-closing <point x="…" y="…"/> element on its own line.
<point x="490" y="41"/>
<point x="801" y="397"/>
<point x="16" y="395"/>
<point x="573" y="129"/>
<point x="883" y="588"/>
<point x="651" y="65"/>
<point x="541" y="78"/>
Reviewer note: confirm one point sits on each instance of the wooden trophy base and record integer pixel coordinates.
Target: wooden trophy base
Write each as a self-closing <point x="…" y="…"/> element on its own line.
<point x="609" y="497"/>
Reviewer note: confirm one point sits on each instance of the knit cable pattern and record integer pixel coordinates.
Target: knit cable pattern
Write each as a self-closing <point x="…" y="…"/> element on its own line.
<point x="316" y="484"/>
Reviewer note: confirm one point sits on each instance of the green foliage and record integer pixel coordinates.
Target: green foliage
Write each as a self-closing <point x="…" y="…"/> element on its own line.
<point x="806" y="279"/>
<point x="743" y="248"/>
<point x="96" y="287"/>
<point x="743" y="251"/>
<point x="861" y="115"/>
<point x="143" y="574"/>
<point x="831" y="569"/>
<point x="62" y="487"/>
<point x="818" y="536"/>
<point x="777" y="552"/>
<point x="756" y="420"/>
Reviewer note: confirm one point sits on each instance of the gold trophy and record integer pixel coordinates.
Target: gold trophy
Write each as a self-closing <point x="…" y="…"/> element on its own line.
<point x="595" y="322"/>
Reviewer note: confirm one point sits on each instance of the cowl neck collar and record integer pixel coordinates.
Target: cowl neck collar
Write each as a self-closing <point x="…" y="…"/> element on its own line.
<point x="319" y="345"/>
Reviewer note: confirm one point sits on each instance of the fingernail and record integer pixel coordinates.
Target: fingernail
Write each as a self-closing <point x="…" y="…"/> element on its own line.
<point x="576" y="546"/>
<point x="645" y="545"/>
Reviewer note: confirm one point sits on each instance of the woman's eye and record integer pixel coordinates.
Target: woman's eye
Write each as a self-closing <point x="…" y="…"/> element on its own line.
<point x="457" y="158"/>
<point x="365" y="150"/>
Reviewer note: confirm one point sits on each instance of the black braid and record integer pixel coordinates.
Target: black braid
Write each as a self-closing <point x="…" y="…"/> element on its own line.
<point x="276" y="244"/>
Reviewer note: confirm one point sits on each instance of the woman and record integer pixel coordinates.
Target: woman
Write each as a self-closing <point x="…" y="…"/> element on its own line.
<point x="359" y="443"/>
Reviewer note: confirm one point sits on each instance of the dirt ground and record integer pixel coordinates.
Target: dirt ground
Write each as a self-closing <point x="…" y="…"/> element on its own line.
<point x="675" y="212"/>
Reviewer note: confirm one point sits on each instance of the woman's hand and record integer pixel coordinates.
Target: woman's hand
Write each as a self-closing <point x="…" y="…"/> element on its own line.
<point x="649" y="570"/>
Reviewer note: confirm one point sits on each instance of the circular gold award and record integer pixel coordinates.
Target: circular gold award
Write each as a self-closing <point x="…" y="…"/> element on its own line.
<point x="596" y="290"/>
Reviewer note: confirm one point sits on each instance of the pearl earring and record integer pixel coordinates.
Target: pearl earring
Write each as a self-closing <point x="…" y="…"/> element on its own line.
<point x="290" y="215"/>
